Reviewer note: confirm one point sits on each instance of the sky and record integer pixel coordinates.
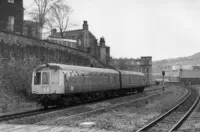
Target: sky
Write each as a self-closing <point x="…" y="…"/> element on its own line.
<point x="134" y="28"/>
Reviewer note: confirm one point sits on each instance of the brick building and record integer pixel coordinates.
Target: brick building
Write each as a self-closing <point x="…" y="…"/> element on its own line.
<point x="146" y="67"/>
<point x="88" y="41"/>
<point x="104" y="54"/>
<point x="11" y="15"/>
<point x="189" y="77"/>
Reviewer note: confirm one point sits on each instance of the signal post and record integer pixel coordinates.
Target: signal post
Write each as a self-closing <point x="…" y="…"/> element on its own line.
<point x="163" y="84"/>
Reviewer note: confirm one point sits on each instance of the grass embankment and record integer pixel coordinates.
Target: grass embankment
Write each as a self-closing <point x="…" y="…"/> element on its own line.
<point x="15" y="84"/>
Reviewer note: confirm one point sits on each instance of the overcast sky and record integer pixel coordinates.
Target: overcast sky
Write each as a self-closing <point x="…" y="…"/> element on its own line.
<point x="134" y="28"/>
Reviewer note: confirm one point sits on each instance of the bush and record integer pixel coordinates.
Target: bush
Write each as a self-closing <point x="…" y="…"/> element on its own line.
<point x="17" y="75"/>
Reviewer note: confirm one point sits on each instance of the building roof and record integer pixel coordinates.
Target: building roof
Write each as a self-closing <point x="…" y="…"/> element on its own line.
<point x="74" y="32"/>
<point x="62" y="39"/>
<point x="189" y="74"/>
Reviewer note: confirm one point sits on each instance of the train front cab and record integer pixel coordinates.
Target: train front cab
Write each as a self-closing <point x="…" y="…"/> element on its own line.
<point x="47" y="85"/>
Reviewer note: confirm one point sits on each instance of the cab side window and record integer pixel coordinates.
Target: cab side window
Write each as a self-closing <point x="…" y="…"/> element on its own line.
<point x="37" y="78"/>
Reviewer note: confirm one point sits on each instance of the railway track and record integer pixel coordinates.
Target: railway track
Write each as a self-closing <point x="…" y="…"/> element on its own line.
<point x="25" y="114"/>
<point x="41" y="111"/>
<point x="172" y="119"/>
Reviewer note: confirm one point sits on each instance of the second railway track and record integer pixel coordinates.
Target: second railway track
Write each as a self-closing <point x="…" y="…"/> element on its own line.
<point x="172" y="119"/>
<point x="25" y="114"/>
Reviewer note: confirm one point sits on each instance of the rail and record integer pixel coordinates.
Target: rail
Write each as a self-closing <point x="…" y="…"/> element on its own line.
<point x="174" y="115"/>
<point x="177" y="125"/>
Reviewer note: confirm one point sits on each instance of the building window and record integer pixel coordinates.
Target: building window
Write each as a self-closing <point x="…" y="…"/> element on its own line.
<point x="33" y="32"/>
<point x="11" y="22"/>
<point x="11" y="1"/>
<point x="132" y="63"/>
<point x="79" y="42"/>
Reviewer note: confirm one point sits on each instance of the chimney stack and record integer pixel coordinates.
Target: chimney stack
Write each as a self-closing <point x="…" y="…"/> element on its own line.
<point x="102" y="42"/>
<point x="85" y="25"/>
<point x="53" y="32"/>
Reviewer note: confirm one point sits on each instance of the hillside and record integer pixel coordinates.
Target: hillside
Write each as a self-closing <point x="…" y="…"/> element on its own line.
<point x="166" y="64"/>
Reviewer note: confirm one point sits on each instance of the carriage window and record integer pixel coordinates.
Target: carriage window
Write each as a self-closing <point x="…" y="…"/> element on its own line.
<point x="115" y="78"/>
<point x="45" y="77"/>
<point x="54" y="77"/>
<point x="37" y="78"/>
<point x="108" y="79"/>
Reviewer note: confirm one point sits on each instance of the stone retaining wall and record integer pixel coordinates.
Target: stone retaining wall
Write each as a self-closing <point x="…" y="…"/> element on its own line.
<point x="20" y="55"/>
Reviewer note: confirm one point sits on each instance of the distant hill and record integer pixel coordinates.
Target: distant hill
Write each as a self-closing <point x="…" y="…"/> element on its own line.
<point x="166" y="64"/>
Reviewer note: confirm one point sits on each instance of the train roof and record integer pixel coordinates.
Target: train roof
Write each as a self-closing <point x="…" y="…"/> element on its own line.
<point x="85" y="69"/>
<point x="132" y="72"/>
<point x="74" y="67"/>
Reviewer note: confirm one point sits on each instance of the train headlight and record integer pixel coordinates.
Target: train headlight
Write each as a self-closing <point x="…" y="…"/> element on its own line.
<point x="46" y="89"/>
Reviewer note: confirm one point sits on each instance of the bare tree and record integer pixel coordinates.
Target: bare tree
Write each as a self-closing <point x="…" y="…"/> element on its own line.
<point x="59" y="17"/>
<point x="40" y="12"/>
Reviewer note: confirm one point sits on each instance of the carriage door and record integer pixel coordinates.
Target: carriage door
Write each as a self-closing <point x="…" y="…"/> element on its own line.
<point x="46" y="82"/>
<point x="66" y="81"/>
<point x="55" y="79"/>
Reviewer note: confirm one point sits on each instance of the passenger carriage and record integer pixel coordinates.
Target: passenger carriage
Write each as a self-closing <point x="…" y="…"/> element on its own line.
<point x="135" y="81"/>
<point x="57" y="79"/>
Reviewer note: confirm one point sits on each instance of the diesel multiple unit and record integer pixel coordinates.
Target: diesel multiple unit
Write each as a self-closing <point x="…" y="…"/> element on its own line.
<point x="53" y="83"/>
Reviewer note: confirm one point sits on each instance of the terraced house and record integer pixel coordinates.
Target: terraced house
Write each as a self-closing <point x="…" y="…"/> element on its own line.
<point x="11" y="15"/>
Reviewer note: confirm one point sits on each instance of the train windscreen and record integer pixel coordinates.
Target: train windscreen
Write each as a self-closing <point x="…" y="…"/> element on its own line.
<point x="45" y="77"/>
